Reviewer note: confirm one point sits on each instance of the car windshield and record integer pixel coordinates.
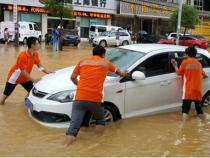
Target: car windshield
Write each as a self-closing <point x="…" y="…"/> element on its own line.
<point x="123" y="58"/>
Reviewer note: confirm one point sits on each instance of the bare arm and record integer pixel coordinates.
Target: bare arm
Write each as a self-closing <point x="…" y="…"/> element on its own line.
<point x="174" y="63"/>
<point x="74" y="78"/>
<point x="41" y="68"/>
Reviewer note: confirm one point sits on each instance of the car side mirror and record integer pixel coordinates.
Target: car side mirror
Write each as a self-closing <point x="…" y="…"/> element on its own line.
<point x="138" y="75"/>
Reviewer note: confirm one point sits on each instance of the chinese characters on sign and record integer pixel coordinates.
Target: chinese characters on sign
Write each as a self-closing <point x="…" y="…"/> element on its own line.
<point x="26" y="9"/>
<point x="96" y="3"/>
<point x="93" y="15"/>
<point x="146" y="8"/>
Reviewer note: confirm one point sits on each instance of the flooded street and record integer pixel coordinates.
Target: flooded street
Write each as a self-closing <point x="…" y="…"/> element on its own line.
<point x="157" y="135"/>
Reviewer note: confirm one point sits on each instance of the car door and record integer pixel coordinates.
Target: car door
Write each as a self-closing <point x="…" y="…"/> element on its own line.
<point x="111" y="39"/>
<point x="188" y="41"/>
<point x="159" y="91"/>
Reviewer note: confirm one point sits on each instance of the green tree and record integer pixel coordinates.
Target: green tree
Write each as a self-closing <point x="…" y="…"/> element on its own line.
<point x="58" y="9"/>
<point x="190" y="17"/>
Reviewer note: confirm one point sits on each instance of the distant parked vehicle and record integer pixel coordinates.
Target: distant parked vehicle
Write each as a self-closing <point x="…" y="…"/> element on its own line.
<point x="96" y="30"/>
<point x="26" y="29"/>
<point x="108" y="38"/>
<point x="68" y="37"/>
<point x="189" y="40"/>
<point x="173" y="35"/>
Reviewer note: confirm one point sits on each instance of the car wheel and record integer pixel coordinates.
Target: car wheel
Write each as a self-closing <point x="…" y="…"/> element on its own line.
<point x="196" y="46"/>
<point x="103" y="43"/>
<point x="25" y="40"/>
<point x="109" y="114"/>
<point x="206" y="99"/>
<point x="40" y="39"/>
<point x="125" y="43"/>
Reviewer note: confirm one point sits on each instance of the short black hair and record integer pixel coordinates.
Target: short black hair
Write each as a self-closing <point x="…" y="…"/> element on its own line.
<point x="99" y="50"/>
<point x="31" y="40"/>
<point x="191" y="51"/>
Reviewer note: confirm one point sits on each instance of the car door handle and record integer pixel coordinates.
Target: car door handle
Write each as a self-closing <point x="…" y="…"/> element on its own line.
<point x="165" y="83"/>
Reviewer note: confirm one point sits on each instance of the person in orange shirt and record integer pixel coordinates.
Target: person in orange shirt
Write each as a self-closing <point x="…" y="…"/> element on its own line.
<point x="20" y="72"/>
<point x="192" y="73"/>
<point x="92" y="72"/>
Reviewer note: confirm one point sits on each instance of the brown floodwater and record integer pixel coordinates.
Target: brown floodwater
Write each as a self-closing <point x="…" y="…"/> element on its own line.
<point x="157" y="135"/>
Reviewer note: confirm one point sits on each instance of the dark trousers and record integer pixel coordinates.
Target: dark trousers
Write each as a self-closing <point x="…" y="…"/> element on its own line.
<point x="186" y="104"/>
<point x="79" y="109"/>
<point x="9" y="87"/>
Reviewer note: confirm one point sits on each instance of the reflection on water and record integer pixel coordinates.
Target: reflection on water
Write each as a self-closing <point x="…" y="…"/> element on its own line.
<point x="158" y="135"/>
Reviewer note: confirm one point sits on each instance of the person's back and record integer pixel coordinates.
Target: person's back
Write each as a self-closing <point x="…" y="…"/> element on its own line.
<point x="192" y="72"/>
<point x="93" y="72"/>
<point x="192" y="79"/>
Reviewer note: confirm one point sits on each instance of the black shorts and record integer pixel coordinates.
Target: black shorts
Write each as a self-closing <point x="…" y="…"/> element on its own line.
<point x="186" y="104"/>
<point x="9" y="87"/>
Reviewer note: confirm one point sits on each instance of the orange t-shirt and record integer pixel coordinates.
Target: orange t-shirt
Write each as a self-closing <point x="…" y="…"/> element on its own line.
<point x="92" y="73"/>
<point x="191" y="70"/>
<point x="25" y="61"/>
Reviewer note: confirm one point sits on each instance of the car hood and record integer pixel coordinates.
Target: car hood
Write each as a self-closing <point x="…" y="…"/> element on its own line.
<point x="60" y="81"/>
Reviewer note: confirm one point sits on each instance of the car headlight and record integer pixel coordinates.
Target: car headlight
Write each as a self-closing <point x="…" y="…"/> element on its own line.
<point x="62" y="97"/>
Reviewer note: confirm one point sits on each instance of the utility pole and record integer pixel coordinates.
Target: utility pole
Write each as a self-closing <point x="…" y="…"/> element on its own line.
<point x="179" y="21"/>
<point x="15" y="20"/>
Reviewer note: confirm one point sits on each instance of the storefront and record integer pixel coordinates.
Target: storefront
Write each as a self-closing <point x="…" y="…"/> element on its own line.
<point x="92" y="12"/>
<point x="30" y="11"/>
<point x="86" y="19"/>
<point x="143" y="15"/>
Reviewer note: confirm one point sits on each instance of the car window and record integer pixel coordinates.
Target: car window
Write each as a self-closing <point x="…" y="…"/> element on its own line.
<point x="180" y="56"/>
<point x="123" y="58"/>
<point x="105" y="33"/>
<point x="188" y="38"/>
<point x="112" y="34"/>
<point x="92" y="28"/>
<point x="155" y="65"/>
<point x="181" y="38"/>
<point x="123" y="34"/>
<point x="173" y="35"/>
<point x="205" y="61"/>
<point x="30" y="27"/>
<point x="36" y="27"/>
<point x="101" y="29"/>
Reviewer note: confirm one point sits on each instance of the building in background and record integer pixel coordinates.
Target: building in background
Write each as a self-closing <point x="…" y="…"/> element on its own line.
<point x="90" y="12"/>
<point x="28" y="10"/>
<point x="152" y="16"/>
<point x="203" y="7"/>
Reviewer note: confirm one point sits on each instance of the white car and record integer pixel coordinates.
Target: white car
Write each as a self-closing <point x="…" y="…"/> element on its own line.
<point x="153" y="86"/>
<point x="173" y="35"/>
<point x="108" y="38"/>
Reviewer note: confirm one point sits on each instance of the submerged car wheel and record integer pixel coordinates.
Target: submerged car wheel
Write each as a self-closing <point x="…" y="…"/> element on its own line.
<point x="206" y="100"/>
<point x="103" y="43"/>
<point x="109" y="114"/>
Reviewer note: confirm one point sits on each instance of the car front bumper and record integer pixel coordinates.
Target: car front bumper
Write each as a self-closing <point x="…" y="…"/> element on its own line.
<point x="47" y="112"/>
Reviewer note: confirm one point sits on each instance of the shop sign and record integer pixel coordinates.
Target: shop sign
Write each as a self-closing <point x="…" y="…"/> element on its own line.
<point x="25" y="9"/>
<point x="93" y="15"/>
<point x="146" y="8"/>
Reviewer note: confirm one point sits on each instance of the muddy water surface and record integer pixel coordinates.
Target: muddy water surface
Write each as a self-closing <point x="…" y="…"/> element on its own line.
<point x="158" y="135"/>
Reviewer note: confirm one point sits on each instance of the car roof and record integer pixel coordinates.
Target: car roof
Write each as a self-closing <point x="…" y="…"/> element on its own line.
<point x="146" y="48"/>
